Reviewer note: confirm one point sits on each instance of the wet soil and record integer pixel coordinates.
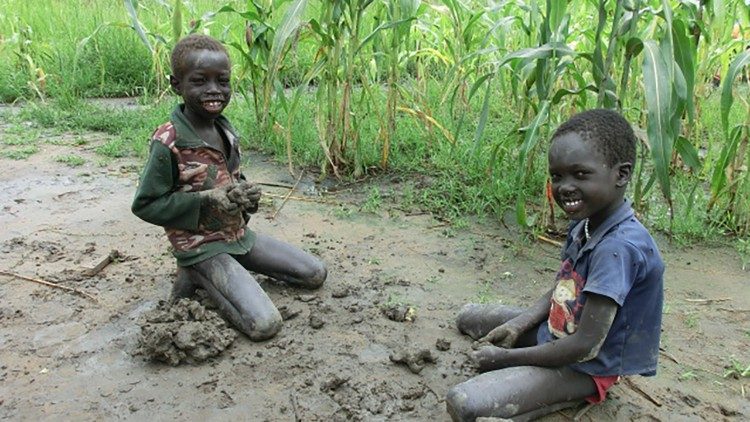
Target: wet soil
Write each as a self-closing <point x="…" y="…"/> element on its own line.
<point x="65" y="356"/>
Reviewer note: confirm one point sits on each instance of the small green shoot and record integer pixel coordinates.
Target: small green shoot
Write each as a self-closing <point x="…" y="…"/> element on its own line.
<point x="688" y="375"/>
<point x="374" y="201"/>
<point x="71" y="160"/>
<point x="21" y="153"/>
<point x="736" y="369"/>
<point x="743" y="248"/>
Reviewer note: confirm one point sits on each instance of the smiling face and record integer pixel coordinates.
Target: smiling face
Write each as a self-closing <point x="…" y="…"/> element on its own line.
<point x="583" y="184"/>
<point x="204" y="85"/>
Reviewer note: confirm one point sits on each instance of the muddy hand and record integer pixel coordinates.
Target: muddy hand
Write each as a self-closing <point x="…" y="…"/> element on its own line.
<point x="505" y="335"/>
<point x="489" y="358"/>
<point x="246" y="195"/>
<point x="218" y="199"/>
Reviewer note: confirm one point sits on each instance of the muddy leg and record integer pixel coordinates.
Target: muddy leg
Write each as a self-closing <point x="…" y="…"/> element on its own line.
<point x="239" y="297"/>
<point x="183" y="287"/>
<point x="284" y="262"/>
<point x="524" y="392"/>
<point x="477" y="320"/>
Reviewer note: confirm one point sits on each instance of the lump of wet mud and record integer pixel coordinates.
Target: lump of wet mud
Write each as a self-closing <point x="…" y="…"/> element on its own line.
<point x="415" y="360"/>
<point x="442" y="344"/>
<point x="399" y="312"/>
<point x="340" y="292"/>
<point x="183" y="332"/>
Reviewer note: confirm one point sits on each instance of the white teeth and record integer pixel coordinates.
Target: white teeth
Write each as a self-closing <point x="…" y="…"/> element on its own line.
<point x="573" y="203"/>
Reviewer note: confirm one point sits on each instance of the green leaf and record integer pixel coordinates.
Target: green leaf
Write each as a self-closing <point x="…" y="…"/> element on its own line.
<point x="688" y="153"/>
<point x="177" y="20"/>
<point x="658" y="91"/>
<point x="742" y="60"/>
<point x="685" y="53"/>
<point x="132" y="6"/>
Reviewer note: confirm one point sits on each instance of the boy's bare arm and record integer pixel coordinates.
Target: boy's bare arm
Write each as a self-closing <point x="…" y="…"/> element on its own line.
<point x="596" y="320"/>
<point x="507" y="334"/>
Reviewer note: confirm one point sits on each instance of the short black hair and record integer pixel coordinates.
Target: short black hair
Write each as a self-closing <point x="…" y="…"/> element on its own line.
<point x="189" y="44"/>
<point x="607" y="130"/>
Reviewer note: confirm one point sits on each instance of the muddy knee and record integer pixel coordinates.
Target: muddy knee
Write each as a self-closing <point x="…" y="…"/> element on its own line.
<point x="467" y="320"/>
<point x="263" y="327"/>
<point x="457" y="403"/>
<point x="315" y="276"/>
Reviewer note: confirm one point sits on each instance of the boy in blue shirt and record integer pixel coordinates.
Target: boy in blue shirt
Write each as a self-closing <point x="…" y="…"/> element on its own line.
<point x="602" y="320"/>
<point x="192" y="186"/>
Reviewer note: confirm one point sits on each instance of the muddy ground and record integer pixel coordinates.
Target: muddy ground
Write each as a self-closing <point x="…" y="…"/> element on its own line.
<point x="64" y="356"/>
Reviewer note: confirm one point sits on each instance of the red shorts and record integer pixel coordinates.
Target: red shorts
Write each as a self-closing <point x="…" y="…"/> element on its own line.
<point x="602" y="385"/>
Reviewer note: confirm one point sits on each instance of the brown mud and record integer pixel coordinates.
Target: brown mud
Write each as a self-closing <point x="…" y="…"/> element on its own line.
<point x="64" y="356"/>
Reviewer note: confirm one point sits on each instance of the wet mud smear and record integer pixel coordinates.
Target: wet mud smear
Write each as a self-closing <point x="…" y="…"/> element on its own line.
<point x="183" y="332"/>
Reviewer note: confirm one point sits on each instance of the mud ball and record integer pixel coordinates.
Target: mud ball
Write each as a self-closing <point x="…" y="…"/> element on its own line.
<point x="183" y="332"/>
<point x="442" y="344"/>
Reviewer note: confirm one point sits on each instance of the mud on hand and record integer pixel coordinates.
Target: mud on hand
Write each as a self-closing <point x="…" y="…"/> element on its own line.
<point x="245" y="195"/>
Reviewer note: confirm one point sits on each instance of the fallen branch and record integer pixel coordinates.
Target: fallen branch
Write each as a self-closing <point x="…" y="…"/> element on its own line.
<point x="583" y="411"/>
<point x="300" y="198"/>
<point x="47" y="283"/>
<point x="667" y="355"/>
<point x="273" y="217"/>
<point x="95" y="267"/>
<point x="630" y="383"/>
<point x="275" y="185"/>
<point x="550" y="241"/>
<point x="708" y="301"/>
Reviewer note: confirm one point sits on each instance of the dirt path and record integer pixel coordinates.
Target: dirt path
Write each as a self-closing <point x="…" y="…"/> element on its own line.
<point x="62" y="356"/>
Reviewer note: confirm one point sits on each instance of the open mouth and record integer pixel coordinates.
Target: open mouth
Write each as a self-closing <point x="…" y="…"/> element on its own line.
<point x="213" y="106"/>
<point x="571" y="206"/>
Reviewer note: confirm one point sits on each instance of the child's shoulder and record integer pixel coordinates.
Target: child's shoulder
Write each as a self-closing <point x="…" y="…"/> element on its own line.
<point x="166" y="134"/>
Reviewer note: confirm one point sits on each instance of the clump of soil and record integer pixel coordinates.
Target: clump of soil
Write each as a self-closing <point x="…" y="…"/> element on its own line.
<point x="415" y="360"/>
<point x="183" y="332"/>
<point x="399" y="312"/>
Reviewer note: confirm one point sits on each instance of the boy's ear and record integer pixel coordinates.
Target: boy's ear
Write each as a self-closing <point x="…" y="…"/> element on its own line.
<point x="175" y="83"/>
<point x="624" y="172"/>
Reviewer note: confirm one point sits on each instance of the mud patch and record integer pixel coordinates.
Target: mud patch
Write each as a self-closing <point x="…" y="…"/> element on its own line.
<point x="415" y="360"/>
<point x="183" y="332"/>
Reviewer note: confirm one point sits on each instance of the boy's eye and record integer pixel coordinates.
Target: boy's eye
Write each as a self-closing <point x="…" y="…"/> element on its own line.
<point x="554" y="177"/>
<point x="581" y="174"/>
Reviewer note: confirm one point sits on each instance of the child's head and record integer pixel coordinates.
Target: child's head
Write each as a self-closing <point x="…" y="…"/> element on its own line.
<point x="201" y="73"/>
<point x="590" y="162"/>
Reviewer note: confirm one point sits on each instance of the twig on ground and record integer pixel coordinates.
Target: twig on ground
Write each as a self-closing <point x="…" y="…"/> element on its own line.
<point x="631" y="384"/>
<point x="301" y="198"/>
<point x="550" y="241"/>
<point x="668" y="356"/>
<point x="583" y="411"/>
<point x="286" y="198"/>
<point x="47" y="283"/>
<point x="92" y="270"/>
<point x="275" y="185"/>
<point x="732" y="310"/>
<point x="708" y="301"/>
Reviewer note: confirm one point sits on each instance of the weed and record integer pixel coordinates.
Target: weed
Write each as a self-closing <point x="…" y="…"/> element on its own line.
<point x="373" y="261"/>
<point x="374" y="200"/>
<point x="433" y="279"/>
<point x="343" y="212"/>
<point x="114" y="148"/>
<point x="21" y="153"/>
<point x="743" y="248"/>
<point x="71" y="160"/>
<point x="688" y="376"/>
<point x="736" y="369"/>
<point x="486" y="293"/>
<point x="692" y="320"/>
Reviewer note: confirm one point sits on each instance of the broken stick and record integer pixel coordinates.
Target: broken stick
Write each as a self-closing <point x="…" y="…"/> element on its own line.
<point x="47" y="283"/>
<point x="286" y="198"/>
<point x="630" y="383"/>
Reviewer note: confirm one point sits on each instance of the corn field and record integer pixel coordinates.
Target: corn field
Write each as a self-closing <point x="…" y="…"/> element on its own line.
<point x="357" y="71"/>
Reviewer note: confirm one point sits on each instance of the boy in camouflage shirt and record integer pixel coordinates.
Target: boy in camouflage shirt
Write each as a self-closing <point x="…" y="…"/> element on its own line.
<point x="192" y="186"/>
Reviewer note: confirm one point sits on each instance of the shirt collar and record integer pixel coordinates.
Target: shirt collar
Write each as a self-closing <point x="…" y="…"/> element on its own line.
<point x="622" y="213"/>
<point x="186" y="135"/>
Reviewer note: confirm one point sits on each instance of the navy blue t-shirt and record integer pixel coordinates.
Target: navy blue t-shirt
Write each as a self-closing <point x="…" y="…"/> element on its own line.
<point x="620" y="261"/>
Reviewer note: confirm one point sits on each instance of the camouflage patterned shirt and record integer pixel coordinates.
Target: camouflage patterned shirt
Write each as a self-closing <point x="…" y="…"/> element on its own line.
<point x="180" y="165"/>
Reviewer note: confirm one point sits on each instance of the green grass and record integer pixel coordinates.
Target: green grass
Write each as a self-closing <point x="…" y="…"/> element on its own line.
<point x="71" y="160"/>
<point x="20" y="153"/>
